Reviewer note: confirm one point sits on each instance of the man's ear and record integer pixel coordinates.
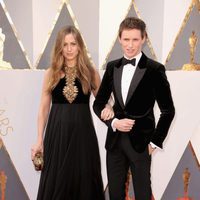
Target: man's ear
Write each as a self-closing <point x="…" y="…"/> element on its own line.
<point x="144" y="39"/>
<point x="119" y="39"/>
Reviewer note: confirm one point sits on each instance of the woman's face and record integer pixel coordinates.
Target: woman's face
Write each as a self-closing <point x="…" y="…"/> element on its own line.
<point x="70" y="48"/>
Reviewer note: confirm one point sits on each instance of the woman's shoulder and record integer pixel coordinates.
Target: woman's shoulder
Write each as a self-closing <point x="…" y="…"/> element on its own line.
<point x="48" y="73"/>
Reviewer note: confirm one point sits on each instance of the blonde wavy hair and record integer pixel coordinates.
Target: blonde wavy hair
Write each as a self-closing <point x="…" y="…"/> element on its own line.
<point x="85" y="70"/>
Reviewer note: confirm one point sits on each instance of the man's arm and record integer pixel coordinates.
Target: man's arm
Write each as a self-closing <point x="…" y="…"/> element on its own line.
<point x="165" y="103"/>
<point x="104" y="93"/>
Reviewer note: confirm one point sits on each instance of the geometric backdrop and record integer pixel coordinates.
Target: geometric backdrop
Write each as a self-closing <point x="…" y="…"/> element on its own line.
<point x="30" y="28"/>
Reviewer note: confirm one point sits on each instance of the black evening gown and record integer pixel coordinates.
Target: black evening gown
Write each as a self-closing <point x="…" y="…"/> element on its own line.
<point x="72" y="168"/>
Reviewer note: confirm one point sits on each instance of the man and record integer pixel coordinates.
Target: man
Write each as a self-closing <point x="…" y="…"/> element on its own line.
<point x="136" y="82"/>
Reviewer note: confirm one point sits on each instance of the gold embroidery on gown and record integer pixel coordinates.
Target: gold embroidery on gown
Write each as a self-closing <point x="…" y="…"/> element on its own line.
<point x="70" y="91"/>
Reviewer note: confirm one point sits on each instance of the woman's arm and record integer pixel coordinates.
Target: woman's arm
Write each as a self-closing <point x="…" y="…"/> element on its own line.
<point x="43" y="113"/>
<point x="97" y="82"/>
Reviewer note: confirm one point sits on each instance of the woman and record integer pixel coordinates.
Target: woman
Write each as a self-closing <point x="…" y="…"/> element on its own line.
<point x="71" y="155"/>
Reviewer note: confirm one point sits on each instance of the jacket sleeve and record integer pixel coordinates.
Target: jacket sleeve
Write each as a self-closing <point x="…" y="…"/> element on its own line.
<point x="104" y="93"/>
<point x="164" y="99"/>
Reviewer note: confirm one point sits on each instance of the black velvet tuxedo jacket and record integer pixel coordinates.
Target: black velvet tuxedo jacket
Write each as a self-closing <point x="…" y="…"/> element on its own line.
<point x="149" y="84"/>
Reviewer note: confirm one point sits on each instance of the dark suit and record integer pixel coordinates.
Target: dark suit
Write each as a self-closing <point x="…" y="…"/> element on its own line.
<point x="149" y="84"/>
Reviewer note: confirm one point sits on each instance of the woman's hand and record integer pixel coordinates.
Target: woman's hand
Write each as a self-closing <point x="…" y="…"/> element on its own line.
<point x="36" y="148"/>
<point x="107" y="113"/>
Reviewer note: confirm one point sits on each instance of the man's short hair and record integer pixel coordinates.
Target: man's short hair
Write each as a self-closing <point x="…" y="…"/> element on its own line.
<point x="132" y="23"/>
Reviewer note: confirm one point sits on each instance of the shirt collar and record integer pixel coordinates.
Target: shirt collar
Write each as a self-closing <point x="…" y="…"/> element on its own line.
<point x="137" y="57"/>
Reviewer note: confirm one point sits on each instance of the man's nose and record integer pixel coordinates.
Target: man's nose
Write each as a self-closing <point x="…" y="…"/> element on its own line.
<point x="130" y="44"/>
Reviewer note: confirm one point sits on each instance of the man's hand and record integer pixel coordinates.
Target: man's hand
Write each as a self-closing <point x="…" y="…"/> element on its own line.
<point x="151" y="149"/>
<point x="124" y="125"/>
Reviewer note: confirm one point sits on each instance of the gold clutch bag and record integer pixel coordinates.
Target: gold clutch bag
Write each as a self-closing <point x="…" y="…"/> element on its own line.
<point x="38" y="161"/>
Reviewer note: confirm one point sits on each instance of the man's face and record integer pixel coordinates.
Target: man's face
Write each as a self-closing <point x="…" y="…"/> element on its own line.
<point x="131" y="42"/>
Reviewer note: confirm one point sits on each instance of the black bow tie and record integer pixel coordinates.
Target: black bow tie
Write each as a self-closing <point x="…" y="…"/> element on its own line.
<point x="126" y="61"/>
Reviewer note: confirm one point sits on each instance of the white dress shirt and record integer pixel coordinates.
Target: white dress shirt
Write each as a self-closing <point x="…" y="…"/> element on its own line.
<point x="127" y="75"/>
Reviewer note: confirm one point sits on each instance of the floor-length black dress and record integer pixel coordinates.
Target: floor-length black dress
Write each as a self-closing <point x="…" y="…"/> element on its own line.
<point x="72" y="168"/>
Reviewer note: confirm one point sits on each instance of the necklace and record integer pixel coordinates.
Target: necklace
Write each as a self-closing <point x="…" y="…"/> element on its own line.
<point x="70" y="91"/>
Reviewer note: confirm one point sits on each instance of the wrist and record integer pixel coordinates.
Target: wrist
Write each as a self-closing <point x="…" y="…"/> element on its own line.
<point x="115" y="120"/>
<point x="112" y="124"/>
<point x="40" y="140"/>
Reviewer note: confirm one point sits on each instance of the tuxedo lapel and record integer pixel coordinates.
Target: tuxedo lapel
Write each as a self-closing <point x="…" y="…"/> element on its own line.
<point x="117" y="83"/>
<point x="137" y="77"/>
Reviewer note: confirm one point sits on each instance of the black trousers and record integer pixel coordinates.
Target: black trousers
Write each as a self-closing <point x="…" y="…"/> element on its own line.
<point x="119" y="160"/>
